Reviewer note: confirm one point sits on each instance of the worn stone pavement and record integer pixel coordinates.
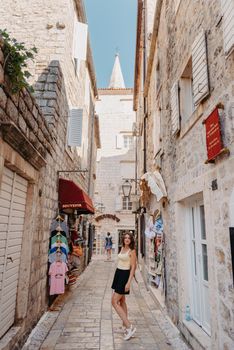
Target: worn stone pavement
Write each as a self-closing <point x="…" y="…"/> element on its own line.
<point x="84" y="319"/>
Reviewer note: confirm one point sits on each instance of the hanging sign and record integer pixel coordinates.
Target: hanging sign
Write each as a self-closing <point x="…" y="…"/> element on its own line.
<point x="214" y="142"/>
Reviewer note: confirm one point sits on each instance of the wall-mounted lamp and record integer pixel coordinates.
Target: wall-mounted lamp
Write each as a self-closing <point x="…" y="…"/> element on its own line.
<point x="127" y="187"/>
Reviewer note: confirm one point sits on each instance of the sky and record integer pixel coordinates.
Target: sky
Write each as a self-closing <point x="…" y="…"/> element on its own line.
<point x="112" y="27"/>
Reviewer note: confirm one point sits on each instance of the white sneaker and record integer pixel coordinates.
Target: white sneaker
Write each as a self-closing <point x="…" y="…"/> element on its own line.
<point x="121" y="330"/>
<point x="129" y="332"/>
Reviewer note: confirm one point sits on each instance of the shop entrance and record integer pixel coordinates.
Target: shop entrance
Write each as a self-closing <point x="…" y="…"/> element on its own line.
<point x="199" y="266"/>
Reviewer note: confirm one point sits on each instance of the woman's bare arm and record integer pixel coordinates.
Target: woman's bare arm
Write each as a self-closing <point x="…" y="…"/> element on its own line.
<point x="133" y="268"/>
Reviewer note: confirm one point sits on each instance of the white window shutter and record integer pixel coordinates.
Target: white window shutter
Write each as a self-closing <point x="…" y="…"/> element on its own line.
<point x="228" y="25"/>
<point x="118" y="203"/>
<point x="119" y="141"/>
<point x="75" y="127"/>
<point x="200" y="68"/>
<point x="175" y="108"/>
<point x="81" y="37"/>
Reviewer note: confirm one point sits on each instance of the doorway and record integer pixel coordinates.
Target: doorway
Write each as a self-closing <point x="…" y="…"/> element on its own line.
<point x="198" y="256"/>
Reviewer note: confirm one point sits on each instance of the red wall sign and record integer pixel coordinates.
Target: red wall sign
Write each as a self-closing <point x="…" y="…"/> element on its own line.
<point x="214" y="142"/>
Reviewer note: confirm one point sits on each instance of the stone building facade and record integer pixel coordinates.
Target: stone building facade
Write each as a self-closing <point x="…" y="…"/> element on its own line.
<point x="34" y="136"/>
<point x="115" y="160"/>
<point x="185" y="75"/>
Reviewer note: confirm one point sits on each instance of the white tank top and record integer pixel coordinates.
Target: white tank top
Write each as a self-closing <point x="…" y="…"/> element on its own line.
<point x="124" y="260"/>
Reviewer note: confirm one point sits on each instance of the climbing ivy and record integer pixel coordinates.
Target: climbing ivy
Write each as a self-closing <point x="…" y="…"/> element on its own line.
<point x="16" y="56"/>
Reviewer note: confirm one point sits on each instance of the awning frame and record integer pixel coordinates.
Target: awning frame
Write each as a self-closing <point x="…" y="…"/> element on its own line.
<point x="71" y="197"/>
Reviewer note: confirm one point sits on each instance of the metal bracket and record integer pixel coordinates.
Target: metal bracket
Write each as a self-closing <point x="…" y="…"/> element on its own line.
<point x="72" y="171"/>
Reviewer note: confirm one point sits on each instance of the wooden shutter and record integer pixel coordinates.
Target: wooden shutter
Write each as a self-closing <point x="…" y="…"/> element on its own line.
<point x="200" y="68"/>
<point x="81" y="35"/>
<point x="175" y="108"/>
<point x="75" y="127"/>
<point x="228" y="25"/>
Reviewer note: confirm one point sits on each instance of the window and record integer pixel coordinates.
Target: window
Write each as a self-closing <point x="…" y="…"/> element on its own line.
<point x="127" y="141"/>
<point x="80" y="43"/>
<point x="124" y="141"/>
<point x="186" y="100"/>
<point x="126" y="204"/>
<point x="193" y="85"/>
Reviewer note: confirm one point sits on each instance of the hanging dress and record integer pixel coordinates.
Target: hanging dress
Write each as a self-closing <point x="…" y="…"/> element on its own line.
<point x="57" y="273"/>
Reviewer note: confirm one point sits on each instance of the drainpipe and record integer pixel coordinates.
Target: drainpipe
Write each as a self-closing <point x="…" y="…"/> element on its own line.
<point x="147" y="68"/>
<point x="145" y="98"/>
<point x="91" y="148"/>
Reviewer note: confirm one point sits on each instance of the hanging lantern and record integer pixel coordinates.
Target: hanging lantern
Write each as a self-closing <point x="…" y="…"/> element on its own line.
<point x="127" y="187"/>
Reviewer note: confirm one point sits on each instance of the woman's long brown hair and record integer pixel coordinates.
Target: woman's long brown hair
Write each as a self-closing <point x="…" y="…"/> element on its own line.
<point x="131" y="245"/>
<point x="132" y="241"/>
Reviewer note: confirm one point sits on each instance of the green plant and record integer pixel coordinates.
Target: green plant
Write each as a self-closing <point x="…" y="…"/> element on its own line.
<point x="15" y="63"/>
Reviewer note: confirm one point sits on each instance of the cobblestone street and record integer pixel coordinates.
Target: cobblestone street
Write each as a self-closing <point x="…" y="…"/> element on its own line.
<point x="85" y="320"/>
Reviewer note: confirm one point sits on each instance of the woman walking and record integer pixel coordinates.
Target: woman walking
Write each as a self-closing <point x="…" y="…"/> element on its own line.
<point x="122" y="281"/>
<point x="108" y="245"/>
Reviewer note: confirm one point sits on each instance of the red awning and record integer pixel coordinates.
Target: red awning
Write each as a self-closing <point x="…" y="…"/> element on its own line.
<point x="72" y="196"/>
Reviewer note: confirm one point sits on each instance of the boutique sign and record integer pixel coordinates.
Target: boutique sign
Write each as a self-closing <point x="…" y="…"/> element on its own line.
<point x="214" y="143"/>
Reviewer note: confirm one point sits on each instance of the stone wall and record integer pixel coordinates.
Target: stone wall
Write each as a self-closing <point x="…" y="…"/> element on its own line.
<point x="51" y="29"/>
<point x="182" y="158"/>
<point x="182" y="161"/>
<point x="34" y="144"/>
<point x="26" y="144"/>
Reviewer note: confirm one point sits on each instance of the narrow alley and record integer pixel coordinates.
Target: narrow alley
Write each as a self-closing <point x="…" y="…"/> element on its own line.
<point x="116" y="157"/>
<point x="85" y="319"/>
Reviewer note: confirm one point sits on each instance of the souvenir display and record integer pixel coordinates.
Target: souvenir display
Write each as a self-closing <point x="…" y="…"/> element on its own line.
<point x="66" y="254"/>
<point x="156" y="253"/>
<point x="58" y="255"/>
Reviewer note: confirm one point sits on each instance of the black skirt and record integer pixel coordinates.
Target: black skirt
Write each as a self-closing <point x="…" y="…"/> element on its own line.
<point x="120" y="280"/>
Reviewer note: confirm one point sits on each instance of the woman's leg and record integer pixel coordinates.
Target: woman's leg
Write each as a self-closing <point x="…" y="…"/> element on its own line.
<point x="119" y="309"/>
<point x="124" y="305"/>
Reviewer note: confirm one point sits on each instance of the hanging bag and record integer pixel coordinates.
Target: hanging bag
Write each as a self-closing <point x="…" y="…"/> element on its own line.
<point x="77" y="250"/>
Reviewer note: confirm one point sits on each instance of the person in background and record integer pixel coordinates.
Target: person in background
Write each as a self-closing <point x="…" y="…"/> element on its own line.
<point x="108" y="245"/>
<point x="122" y="281"/>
